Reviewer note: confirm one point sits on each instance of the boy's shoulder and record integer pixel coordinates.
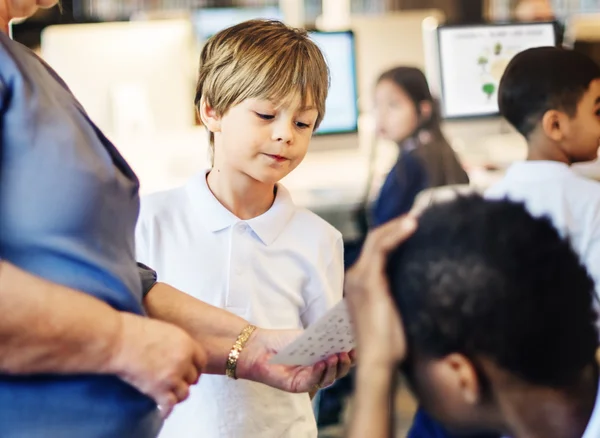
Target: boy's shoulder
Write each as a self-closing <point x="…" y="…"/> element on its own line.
<point x="545" y="176"/>
<point x="300" y="221"/>
<point x="306" y="223"/>
<point x="556" y="190"/>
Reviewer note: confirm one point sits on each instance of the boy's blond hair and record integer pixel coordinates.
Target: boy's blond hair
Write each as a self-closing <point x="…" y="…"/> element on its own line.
<point x="261" y="59"/>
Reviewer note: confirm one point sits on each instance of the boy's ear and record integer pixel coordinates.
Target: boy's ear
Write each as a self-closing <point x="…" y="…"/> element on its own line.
<point x="465" y="378"/>
<point x="555" y="125"/>
<point x="209" y="116"/>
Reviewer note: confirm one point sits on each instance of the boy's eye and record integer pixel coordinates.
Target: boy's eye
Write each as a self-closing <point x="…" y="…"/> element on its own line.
<point x="265" y="116"/>
<point x="598" y="112"/>
<point x="302" y="125"/>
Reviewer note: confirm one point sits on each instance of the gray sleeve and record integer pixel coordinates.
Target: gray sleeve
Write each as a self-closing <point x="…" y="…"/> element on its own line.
<point x="148" y="277"/>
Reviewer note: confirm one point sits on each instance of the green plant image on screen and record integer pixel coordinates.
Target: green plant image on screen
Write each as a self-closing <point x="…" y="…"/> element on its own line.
<point x="497" y="49"/>
<point x="482" y="61"/>
<point x="489" y="89"/>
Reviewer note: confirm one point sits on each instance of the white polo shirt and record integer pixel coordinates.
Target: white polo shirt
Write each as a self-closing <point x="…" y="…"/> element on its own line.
<point x="281" y="270"/>
<point x="570" y="201"/>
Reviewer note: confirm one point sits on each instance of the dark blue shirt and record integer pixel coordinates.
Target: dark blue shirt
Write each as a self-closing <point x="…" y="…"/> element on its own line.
<point x="405" y="181"/>
<point x="424" y="426"/>
<point x="419" y="167"/>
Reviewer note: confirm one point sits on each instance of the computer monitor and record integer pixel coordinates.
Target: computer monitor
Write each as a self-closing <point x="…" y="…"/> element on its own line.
<point x="387" y="41"/>
<point x="209" y="21"/>
<point x="472" y="60"/>
<point x="341" y="113"/>
<point x="129" y="76"/>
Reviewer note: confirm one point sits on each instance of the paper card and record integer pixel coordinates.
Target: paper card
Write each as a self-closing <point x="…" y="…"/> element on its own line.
<point x="331" y="334"/>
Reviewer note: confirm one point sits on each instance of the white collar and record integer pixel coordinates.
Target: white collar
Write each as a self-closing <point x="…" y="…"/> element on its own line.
<point x="215" y="217"/>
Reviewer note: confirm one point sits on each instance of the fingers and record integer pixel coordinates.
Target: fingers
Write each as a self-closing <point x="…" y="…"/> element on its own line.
<point x="317" y="375"/>
<point x="178" y="393"/>
<point x="192" y="376"/>
<point x="388" y="236"/>
<point x="166" y="404"/>
<point x="181" y="391"/>
<point x="366" y="275"/>
<point x="330" y="371"/>
<point x="344" y="365"/>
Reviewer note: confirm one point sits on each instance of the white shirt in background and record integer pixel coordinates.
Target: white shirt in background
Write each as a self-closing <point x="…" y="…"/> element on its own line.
<point x="570" y="201"/>
<point x="281" y="270"/>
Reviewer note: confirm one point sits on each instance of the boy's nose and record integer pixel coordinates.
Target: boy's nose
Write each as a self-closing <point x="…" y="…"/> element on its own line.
<point x="283" y="133"/>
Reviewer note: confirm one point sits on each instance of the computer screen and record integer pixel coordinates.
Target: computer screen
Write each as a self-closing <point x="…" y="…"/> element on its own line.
<point x="341" y="112"/>
<point x="209" y="21"/>
<point x="129" y="76"/>
<point x="473" y="58"/>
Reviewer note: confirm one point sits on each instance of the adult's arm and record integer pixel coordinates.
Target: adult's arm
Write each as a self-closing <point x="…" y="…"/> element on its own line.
<point x="49" y="328"/>
<point x="214" y="328"/>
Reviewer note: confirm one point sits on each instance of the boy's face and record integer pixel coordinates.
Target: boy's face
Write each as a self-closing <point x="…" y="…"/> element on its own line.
<point x="582" y="136"/>
<point x="265" y="140"/>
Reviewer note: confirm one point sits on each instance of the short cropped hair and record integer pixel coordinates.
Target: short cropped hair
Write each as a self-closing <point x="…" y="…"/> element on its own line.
<point x="541" y="79"/>
<point x="486" y="279"/>
<point x="262" y="59"/>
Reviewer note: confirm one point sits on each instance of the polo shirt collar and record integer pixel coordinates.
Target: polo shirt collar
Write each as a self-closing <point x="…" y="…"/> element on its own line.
<point x="215" y="217"/>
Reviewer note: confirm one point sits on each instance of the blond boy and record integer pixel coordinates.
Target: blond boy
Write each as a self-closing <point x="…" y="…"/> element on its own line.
<point x="232" y="236"/>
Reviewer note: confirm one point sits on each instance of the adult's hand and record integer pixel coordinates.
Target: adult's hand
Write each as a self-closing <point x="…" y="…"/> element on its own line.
<point x="158" y="358"/>
<point x="378" y="328"/>
<point x="253" y="364"/>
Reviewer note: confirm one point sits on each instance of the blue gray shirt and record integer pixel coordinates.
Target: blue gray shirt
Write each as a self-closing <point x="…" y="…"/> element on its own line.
<point x="68" y="207"/>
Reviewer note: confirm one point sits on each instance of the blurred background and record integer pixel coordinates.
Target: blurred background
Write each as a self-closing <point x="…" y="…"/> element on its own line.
<point x="133" y="63"/>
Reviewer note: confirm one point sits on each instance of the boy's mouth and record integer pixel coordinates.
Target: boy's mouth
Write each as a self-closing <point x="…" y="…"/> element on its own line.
<point x="278" y="158"/>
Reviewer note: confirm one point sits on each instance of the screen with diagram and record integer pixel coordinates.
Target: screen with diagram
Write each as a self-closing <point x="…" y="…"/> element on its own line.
<point x="341" y="114"/>
<point x="473" y="59"/>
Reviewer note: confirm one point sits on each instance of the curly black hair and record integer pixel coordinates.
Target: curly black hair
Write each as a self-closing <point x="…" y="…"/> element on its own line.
<point x="486" y="279"/>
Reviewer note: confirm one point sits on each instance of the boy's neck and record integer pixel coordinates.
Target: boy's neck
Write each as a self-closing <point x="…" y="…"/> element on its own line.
<point x="239" y="193"/>
<point x="549" y="413"/>
<point x="542" y="149"/>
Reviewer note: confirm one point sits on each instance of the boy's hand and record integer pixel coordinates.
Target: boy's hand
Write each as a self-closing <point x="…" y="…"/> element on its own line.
<point x="377" y="325"/>
<point x="254" y="364"/>
<point x="158" y="359"/>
